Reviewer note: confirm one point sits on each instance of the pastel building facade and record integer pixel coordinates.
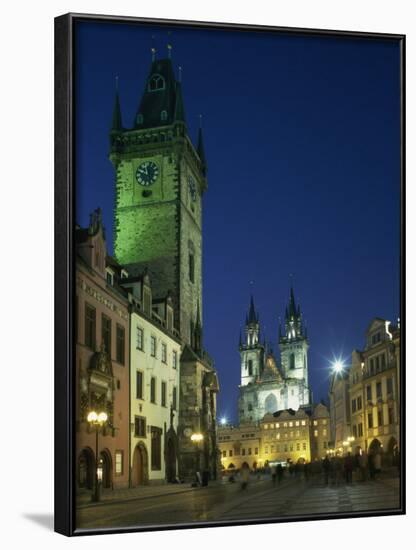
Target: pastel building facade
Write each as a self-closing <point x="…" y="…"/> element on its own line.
<point x="101" y="361"/>
<point x="154" y="391"/>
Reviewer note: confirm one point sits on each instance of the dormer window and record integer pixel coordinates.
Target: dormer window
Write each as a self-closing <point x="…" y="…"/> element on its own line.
<point x="110" y="277"/>
<point x="163" y="116"/>
<point x="156" y="83"/>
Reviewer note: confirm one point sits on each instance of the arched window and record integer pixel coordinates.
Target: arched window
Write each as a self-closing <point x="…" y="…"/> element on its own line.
<point x="250" y="367"/>
<point x="270" y="404"/>
<point x="156" y="83"/>
<point x="163" y="115"/>
<point x="292" y="361"/>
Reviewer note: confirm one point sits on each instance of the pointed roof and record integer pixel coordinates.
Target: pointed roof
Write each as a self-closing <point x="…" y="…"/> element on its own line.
<point x="201" y="151"/>
<point x="161" y="93"/>
<point x="252" y="315"/>
<point x="179" y="107"/>
<point x="116" y="125"/>
<point x="292" y="304"/>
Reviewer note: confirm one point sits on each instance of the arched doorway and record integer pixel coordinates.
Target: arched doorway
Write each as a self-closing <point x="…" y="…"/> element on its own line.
<point x="375" y="446"/>
<point x="170" y="460"/>
<point x="107" y="470"/>
<point x="86" y="469"/>
<point x="139" y="474"/>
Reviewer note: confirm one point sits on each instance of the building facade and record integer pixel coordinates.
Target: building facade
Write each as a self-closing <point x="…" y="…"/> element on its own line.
<point x="155" y="350"/>
<point x="284" y="437"/>
<point x="266" y="385"/>
<point x="365" y="398"/>
<point x="102" y="361"/>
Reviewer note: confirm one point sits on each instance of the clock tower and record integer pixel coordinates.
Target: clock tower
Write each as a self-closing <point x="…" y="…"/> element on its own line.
<point x="160" y="181"/>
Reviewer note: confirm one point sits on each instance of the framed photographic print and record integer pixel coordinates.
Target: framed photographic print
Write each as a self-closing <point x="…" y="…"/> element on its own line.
<point x="229" y="274"/>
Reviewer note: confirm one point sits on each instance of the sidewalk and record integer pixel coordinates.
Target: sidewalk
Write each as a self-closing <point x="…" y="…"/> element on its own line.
<point x="83" y="500"/>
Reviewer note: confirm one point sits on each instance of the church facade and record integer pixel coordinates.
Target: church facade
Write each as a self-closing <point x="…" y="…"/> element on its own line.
<point x="268" y="384"/>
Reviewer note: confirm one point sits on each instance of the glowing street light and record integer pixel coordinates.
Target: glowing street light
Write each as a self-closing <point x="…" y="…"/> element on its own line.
<point x="97" y="420"/>
<point x="338" y="366"/>
<point x="223" y="421"/>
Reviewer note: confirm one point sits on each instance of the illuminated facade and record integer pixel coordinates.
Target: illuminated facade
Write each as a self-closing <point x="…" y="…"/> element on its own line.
<point x="365" y="398"/>
<point x="102" y="361"/>
<point x="284" y="437"/>
<point x="155" y="351"/>
<point x="266" y="386"/>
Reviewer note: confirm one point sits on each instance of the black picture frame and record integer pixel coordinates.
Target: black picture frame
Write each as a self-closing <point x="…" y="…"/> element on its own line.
<point x="65" y="263"/>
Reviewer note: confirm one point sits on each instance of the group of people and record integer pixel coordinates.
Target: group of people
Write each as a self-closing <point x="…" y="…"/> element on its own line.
<point x="335" y="469"/>
<point x="338" y="468"/>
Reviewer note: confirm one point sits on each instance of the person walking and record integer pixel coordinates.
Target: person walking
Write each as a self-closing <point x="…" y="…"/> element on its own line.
<point x="377" y="463"/>
<point x="338" y="469"/>
<point x="326" y="466"/>
<point x="348" y="467"/>
<point x="371" y="465"/>
<point x="362" y="464"/>
<point x="274" y="475"/>
<point x="245" y="476"/>
<point x="280" y="472"/>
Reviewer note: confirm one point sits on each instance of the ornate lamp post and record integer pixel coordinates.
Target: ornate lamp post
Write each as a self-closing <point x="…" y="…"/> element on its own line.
<point x="96" y="420"/>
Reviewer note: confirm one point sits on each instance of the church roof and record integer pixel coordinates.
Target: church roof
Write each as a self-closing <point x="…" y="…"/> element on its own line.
<point x="270" y="371"/>
<point x="162" y="93"/>
<point x="252" y="316"/>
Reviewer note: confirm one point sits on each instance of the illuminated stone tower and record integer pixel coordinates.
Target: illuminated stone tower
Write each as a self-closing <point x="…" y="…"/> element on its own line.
<point x="251" y="351"/>
<point x="160" y="182"/>
<point x="294" y="345"/>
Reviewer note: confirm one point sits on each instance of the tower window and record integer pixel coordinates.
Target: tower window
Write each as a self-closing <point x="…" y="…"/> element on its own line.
<point x="156" y="83"/>
<point x="250" y="367"/>
<point x="191" y="268"/>
<point x="292" y="361"/>
<point x="163" y="115"/>
<point x="139" y="119"/>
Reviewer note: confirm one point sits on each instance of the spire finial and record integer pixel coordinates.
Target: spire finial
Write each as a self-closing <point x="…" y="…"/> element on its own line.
<point x="153" y="48"/>
<point x="180" y="74"/>
<point x="200" y="121"/>
<point x="169" y="45"/>
<point x="117" y="83"/>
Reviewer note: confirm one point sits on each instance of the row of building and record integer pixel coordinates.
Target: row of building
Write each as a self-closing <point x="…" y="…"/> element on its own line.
<point x="133" y="365"/>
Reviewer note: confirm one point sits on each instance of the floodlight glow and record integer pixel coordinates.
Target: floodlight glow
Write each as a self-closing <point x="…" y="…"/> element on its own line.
<point x="338" y="366"/>
<point x="223" y="421"/>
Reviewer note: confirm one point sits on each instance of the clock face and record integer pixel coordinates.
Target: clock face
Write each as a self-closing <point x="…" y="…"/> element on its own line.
<point x="147" y="173"/>
<point x="192" y="188"/>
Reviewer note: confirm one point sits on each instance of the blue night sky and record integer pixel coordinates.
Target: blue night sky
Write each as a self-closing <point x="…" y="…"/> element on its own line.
<point x="302" y="139"/>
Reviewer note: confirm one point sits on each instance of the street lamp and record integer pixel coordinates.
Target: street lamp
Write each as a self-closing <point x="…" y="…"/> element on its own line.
<point x="223" y="421"/>
<point x="97" y="420"/>
<point x="197" y="438"/>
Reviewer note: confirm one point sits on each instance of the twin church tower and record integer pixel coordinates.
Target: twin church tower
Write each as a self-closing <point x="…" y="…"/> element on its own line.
<point x="266" y="386"/>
